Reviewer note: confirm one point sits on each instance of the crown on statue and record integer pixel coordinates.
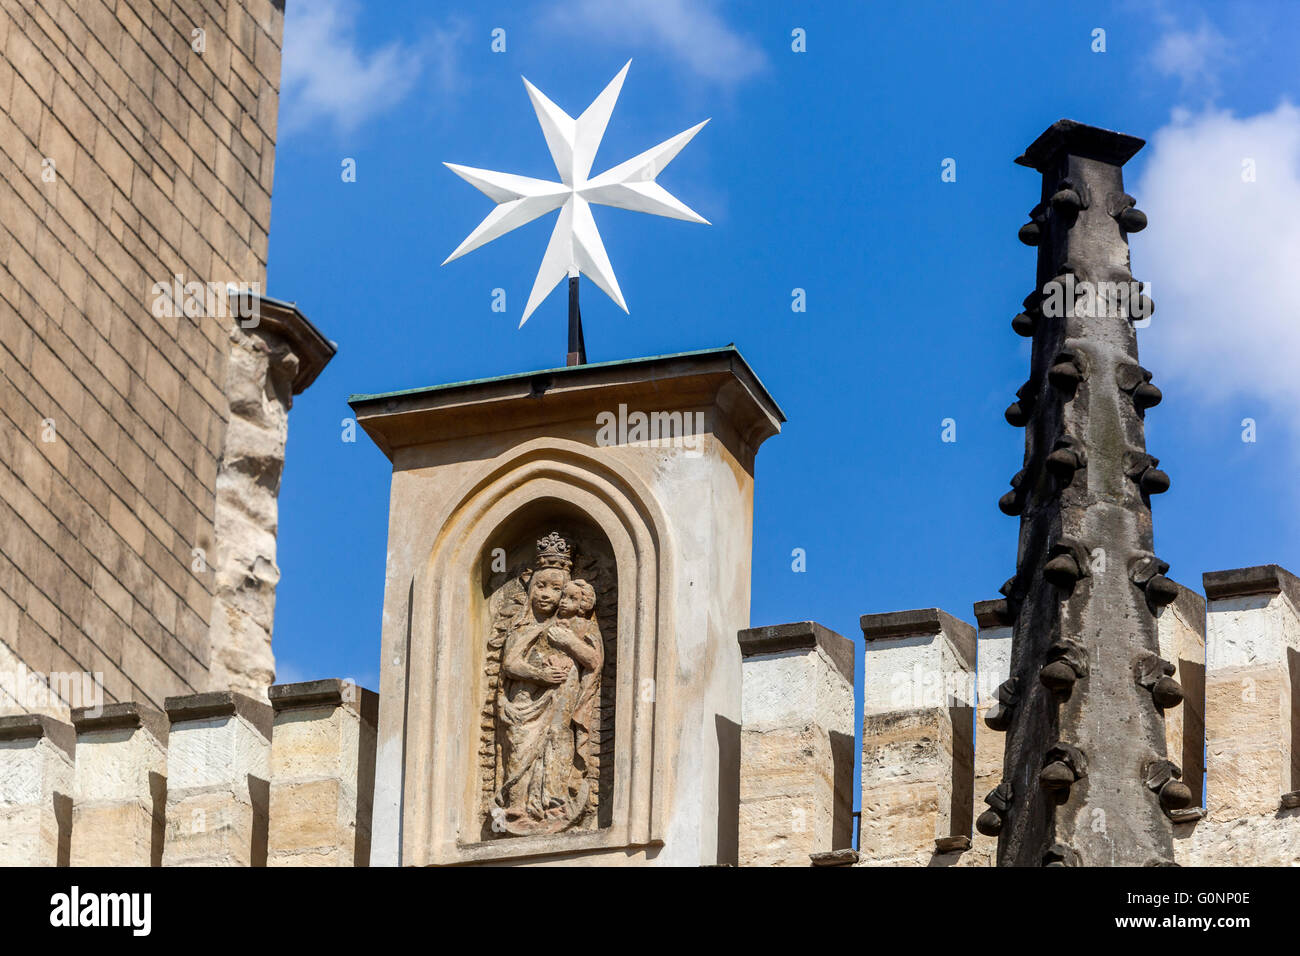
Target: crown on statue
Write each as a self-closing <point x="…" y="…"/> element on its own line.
<point x="553" y="552"/>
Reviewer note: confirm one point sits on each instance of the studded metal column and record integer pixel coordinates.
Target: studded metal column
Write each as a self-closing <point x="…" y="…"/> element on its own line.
<point x="1086" y="780"/>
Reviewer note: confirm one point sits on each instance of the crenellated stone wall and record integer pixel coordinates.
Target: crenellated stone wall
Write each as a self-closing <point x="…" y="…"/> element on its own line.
<point x="1235" y="736"/>
<point x="225" y="779"/>
<point x="217" y="779"/>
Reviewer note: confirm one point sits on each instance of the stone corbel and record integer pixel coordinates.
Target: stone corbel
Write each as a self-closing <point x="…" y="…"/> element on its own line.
<point x="297" y="349"/>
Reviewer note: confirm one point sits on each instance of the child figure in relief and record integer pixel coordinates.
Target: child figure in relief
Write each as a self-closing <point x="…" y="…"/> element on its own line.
<point x="575" y="634"/>
<point x="576" y="615"/>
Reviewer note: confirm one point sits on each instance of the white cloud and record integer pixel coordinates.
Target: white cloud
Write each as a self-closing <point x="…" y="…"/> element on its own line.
<point x="1194" y="56"/>
<point x="326" y="77"/>
<point x="1223" y="255"/>
<point x="1189" y="46"/>
<point x="691" y="31"/>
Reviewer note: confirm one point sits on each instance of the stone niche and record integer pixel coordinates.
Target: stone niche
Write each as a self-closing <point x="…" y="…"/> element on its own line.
<point x="568" y="565"/>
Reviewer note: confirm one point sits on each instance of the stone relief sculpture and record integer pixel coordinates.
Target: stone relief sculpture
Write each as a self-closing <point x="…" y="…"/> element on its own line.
<point x="547" y="658"/>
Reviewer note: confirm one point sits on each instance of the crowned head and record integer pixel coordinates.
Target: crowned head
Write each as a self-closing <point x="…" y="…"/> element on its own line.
<point x="554" y="552"/>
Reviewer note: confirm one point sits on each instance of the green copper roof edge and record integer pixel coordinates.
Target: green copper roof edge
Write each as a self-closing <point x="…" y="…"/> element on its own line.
<point x="568" y="369"/>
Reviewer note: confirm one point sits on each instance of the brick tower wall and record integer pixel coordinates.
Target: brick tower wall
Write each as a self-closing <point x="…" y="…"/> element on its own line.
<point x="127" y="157"/>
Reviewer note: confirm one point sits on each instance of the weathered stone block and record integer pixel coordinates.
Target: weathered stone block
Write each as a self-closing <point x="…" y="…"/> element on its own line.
<point x="218" y="771"/>
<point x="921" y="658"/>
<point x="918" y="748"/>
<point x="322" y="774"/>
<point x="36" y="783"/>
<point x="796" y="760"/>
<point x="1252" y="670"/>
<point x="119" y="804"/>
<point x="277" y="356"/>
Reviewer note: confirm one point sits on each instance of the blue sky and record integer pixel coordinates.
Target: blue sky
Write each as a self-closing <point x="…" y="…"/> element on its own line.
<point x="820" y="170"/>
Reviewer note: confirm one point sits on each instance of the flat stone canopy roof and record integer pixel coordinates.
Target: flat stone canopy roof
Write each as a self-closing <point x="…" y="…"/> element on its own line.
<point x="407" y="416"/>
<point x="362" y="398"/>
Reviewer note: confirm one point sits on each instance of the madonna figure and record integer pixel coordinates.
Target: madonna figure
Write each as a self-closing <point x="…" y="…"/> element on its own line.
<point x="550" y="676"/>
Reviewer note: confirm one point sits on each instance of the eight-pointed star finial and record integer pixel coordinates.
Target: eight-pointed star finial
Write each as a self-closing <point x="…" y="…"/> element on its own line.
<point x="575" y="245"/>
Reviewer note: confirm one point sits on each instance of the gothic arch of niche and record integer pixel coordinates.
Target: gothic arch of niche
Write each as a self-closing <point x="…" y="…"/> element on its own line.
<point x="448" y="656"/>
<point x="529" y="784"/>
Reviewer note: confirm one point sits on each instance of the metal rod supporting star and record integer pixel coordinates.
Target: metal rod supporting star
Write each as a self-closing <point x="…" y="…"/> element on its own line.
<point x="575" y="246"/>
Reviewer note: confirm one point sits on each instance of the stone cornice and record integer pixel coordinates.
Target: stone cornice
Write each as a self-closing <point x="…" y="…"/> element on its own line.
<point x="286" y="320"/>
<point x="1079" y="139"/>
<point x="324" y="693"/>
<point x="114" y="716"/>
<point x="1259" y="579"/>
<point x="992" y="613"/>
<point x="712" y="377"/>
<point x="216" y="704"/>
<point x="35" y="726"/>
<point x="800" y="635"/>
<point x="930" y="620"/>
